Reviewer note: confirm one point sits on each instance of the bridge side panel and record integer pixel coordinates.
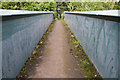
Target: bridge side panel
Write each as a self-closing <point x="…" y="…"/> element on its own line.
<point x="20" y="37"/>
<point x="99" y="39"/>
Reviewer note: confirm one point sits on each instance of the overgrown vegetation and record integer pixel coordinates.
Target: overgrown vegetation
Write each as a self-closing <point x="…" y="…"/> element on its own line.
<point x="85" y="64"/>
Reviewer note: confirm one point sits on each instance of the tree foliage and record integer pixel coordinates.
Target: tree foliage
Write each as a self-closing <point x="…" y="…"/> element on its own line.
<point x="63" y="6"/>
<point x="32" y="6"/>
<point x="91" y="6"/>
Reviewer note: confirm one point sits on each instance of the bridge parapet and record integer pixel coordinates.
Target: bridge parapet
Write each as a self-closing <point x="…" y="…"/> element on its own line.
<point x="98" y="33"/>
<point x="21" y="31"/>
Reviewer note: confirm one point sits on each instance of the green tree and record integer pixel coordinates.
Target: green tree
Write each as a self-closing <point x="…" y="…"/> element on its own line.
<point x="63" y="6"/>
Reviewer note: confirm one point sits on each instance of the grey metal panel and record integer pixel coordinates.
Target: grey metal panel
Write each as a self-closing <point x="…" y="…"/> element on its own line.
<point x="99" y="38"/>
<point x="20" y="36"/>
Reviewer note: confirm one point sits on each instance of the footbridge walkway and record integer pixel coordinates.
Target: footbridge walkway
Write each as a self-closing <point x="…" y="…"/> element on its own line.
<point x="83" y="45"/>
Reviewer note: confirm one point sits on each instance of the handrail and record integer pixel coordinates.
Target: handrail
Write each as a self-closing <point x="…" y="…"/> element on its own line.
<point x="4" y="12"/>
<point x="15" y="14"/>
<point x="112" y="13"/>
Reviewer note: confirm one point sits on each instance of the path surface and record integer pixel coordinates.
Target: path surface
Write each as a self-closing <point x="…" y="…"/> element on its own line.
<point x="57" y="62"/>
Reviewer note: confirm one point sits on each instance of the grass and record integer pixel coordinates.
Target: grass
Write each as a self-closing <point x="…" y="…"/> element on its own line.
<point x="84" y="62"/>
<point x="76" y="42"/>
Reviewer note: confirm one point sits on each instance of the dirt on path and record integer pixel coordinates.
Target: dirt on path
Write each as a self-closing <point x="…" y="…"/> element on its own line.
<point x="57" y="61"/>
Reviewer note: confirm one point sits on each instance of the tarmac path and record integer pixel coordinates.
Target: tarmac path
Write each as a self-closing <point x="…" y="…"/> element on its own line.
<point x="57" y="61"/>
